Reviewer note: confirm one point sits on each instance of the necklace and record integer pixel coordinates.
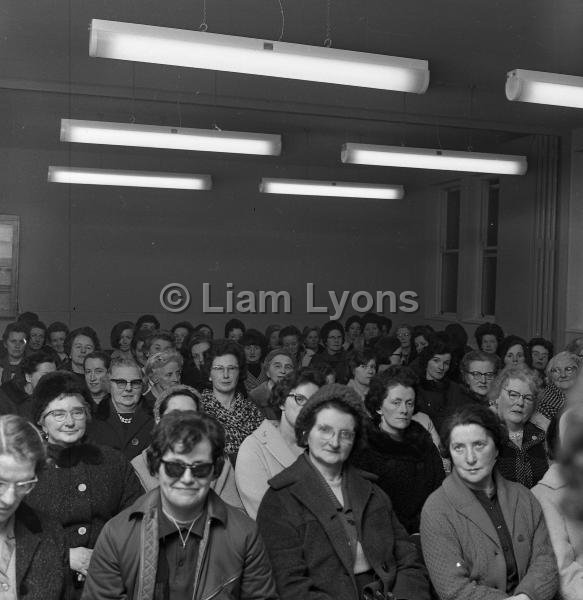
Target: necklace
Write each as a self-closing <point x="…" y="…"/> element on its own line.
<point x="126" y="420"/>
<point x="184" y="539"/>
<point x="515" y="435"/>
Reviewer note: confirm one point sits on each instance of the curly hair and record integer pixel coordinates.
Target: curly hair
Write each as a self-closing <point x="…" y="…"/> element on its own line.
<point x="488" y="329"/>
<point x="478" y="355"/>
<point x="340" y="397"/>
<point x="356" y="358"/>
<point x="117" y="330"/>
<point x="29" y="363"/>
<point x="161" y="359"/>
<point x="438" y="345"/>
<point x="87" y="332"/>
<point x="381" y="384"/>
<point x="330" y="326"/>
<point x="180" y="432"/>
<point x="514" y="340"/>
<point x="521" y="372"/>
<point x="282" y="388"/>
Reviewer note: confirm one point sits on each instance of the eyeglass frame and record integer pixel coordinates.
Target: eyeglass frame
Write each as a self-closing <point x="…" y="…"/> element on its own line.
<point x="302" y="402"/>
<point x="134" y="384"/>
<point x="326" y="432"/>
<point x="64" y="413"/>
<point x="570" y="370"/>
<point x="514" y="395"/>
<point x="228" y="369"/>
<point x="489" y="375"/>
<point x="185" y="466"/>
<point x="17" y="485"/>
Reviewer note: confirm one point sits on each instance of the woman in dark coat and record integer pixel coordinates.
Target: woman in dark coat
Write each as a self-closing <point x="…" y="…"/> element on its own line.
<point x="84" y="484"/>
<point x="399" y="450"/>
<point x="330" y="532"/>
<point x="32" y="551"/>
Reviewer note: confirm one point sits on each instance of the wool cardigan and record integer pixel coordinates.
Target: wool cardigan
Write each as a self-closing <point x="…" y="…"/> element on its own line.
<point x="462" y="550"/>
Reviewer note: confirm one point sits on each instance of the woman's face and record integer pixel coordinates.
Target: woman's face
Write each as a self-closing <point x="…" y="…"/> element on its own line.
<point x="252" y="353"/>
<point x="420" y="343"/>
<point x="139" y="352"/>
<point x="64" y="420"/>
<point x="489" y="343"/>
<point x="197" y="351"/>
<point x="438" y="366"/>
<point x="181" y="403"/>
<point x="353" y="331"/>
<point x="206" y="332"/>
<point x="516" y="403"/>
<point x="167" y="376"/>
<point x="397" y="409"/>
<point x="13" y="469"/>
<point x="473" y="454"/>
<point x="225" y="373"/>
<point x="274" y="339"/>
<point x="331" y="438"/>
<point x="180" y="334"/>
<point x="96" y="376"/>
<point x="295" y="400"/>
<point x="280" y="366"/>
<point x="235" y="334"/>
<point x="125" y="339"/>
<point x="82" y="346"/>
<point x="312" y="340"/>
<point x="334" y="341"/>
<point x="404" y="336"/>
<point x="479" y="376"/>
<point x="291" y="344"/>
<point x="514" y="356"/>
<point x="540" y="357"/>
<point x="363" y="373"/>
<point x="564" y="373"/>
<point x="57" y="341"/>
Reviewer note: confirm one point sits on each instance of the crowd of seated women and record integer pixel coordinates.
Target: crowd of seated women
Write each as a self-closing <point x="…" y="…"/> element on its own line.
<point x="376" y="463"/>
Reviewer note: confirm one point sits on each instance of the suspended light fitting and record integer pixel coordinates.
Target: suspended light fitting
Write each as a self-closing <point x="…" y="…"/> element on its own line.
<point x="179" y="138"/>
<point x="426" y="158"/>
<point x="179" y="181"/>
<point x="299" y="187"/>
<point x="203" y="50"/>
<point x="544" y="88"/>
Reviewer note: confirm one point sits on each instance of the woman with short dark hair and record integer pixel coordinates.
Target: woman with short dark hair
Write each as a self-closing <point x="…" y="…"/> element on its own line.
<point x="121" y="337"/>
<point x="330" y="532"/>
<point x="482" y="535"/>
<point x="363" y="367"/>
<point x="332" y="335"/>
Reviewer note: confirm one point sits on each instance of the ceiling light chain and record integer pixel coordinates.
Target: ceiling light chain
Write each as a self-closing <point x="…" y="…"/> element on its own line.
<point x="203" y="25"/>
<point x="328" y="40"/>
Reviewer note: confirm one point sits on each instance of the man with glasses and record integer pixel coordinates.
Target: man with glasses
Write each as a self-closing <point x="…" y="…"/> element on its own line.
<point x="181" y="540"/>
<point x="123" y="421"/>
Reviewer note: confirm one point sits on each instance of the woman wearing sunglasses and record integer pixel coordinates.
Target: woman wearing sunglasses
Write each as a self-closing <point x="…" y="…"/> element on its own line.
<point x="84" y="485"/>
<point x="513" y="396"/>
<point x="183" y="398"/>
<point x="272" y="446"/>
<point x="32" y="554"/>
<point x="330" y="532"/>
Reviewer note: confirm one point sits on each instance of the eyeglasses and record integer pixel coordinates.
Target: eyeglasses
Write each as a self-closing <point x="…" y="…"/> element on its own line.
<point x="60" y="414"/>
<point x="514" y="396"/>
<point x="477" y="375"/>
<point x="122" y="384"/>
<point x="368" y="367"/>
<point x="175" y="469"/>
<point x="228" y="370"/>
<point x="299" y="398"/>
<point x="327" y="433"/>
<point x="21" y="488"/>
<point x="557" y="371"/>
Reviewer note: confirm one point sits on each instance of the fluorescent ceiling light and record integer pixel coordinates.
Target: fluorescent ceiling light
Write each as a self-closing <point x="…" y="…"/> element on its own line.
<point x="544" y="88"/>
<point x="426" y="158"/>
<point x="179" y="138"/>
<point x="203" y="50"/>
<point x="179" y="181"/>
<point x="299" y="187"/>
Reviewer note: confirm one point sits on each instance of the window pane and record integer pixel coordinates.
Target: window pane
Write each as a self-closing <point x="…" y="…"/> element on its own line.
<point x="452" y="225"/>
<point x="449" y="282"/>
<point x="489" y="284"/>
<point x="492" y="223"/>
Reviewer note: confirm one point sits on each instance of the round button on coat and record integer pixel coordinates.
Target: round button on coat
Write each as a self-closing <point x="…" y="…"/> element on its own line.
<point x="82" y="530"/>
<point x="82" y="487"/>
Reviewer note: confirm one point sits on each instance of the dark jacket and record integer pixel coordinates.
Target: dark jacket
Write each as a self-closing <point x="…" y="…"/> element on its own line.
<point x="438" y="399"/>
<point x="41" y="559"/>
<point x="107" y="429"/>
<point x="308" y="547"/>
<point x="14" y="400"/>
<point x="232" y="563"/>
<point x="337" y="361"/>
<point x="408" y="470"/>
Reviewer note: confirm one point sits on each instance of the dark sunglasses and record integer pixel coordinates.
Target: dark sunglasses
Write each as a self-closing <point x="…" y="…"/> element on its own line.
<point x="175" y="470"/>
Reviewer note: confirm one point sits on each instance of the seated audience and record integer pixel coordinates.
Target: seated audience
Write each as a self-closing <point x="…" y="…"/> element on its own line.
<point x="406" y="350"/>
<point x="84" y="485"/>
<point x="33" y="560"/>
<point x="290" y="339"/>
<point x="277" y="364"/>
<point x="158" y="341"/>
<point x="330" y="532"/>
<point x="371" y="328"/>
<point x="399" y="451"/>
<point x="489" y="337"/>
<point x="362" y="365"/>
<point x="541" y="351"/>
<point x="147" y="323"/>
<point x="148" y="551"/>
<point x="311" y="344"/>
<point x="353" y="330"/>
<point x="234" y="330"/>
<point x="181" y="332"/>
<point x="79" y="343"/>
<point x="478" y="370"/>
<point x="163" y="370"/>
<point x="183" y="398"/>
<point x="255" y="348"/>
<point x="226" y="401"/>
<point x="272" y="446"/>
<point x="272" y="336"/>
<point x="57" y="333"/>
<point x="566" y="534"/>
<point x="482" y="535"/>
<point x="332" y="334"/>
<point x="422" y="336"/>
<point x="120" y="338"/>
<point x="14" y="340"/>
<point x="513" y="396"/>
<point x="96" y="366"/>
<point x="514" y="351"/>
<point x="36" y="336"/>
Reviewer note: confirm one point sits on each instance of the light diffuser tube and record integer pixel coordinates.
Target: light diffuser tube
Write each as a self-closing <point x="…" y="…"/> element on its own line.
<point x="203" y="50"/>
<point x="179" y="181"/>
<point x="544" y="88"/>
<point x="178" y="138"/>
<point x="298" y="187"/>
<point x="426" y="158"/>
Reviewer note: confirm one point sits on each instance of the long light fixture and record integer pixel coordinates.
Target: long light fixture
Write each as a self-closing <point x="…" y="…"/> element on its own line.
<point x="544" y="88"/>
<point x="179" y="181"/>
<point x="179" y="138"/>
<point x="426" y="158"/>
<point x="299" y="187"/>
<point x="203" y="50"/>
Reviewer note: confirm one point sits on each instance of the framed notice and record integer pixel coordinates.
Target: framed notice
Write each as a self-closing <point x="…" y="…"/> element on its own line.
<point x="9" y="226"/>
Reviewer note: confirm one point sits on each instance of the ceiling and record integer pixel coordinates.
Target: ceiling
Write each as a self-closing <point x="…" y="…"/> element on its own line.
<point x="470" y="46"/>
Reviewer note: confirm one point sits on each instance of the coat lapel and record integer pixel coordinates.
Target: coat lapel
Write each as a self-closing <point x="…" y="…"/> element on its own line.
<point x="26" y="529"/>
